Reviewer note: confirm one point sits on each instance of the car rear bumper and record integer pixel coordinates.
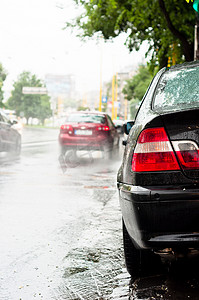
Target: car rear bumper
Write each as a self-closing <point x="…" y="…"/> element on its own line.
<point x="160" y="217"/>
<point x="94" y="142"/>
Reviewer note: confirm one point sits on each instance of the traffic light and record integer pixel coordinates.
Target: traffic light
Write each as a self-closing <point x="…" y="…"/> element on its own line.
<point x="196" y="5"/>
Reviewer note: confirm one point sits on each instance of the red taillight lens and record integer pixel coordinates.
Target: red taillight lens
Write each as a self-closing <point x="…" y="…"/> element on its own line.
<point x="188" y="154"/>
<point x="153" y="135"/>
<point x="153" y="152"/>
<point x="66" y="128"/>
<point x="103" y="128"/>
<point x="106" y="128"/>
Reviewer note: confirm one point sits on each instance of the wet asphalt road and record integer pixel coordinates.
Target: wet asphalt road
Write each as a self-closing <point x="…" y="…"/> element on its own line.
<point x="60" y="232"/>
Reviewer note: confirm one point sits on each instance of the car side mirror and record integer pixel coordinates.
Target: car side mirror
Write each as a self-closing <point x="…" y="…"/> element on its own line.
<point x="127" y="126"/>
<point x="13" y="122"/>
<point x="124" y="142"/>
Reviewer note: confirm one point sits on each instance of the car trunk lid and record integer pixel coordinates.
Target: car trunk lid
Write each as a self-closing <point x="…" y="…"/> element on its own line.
<point x="84" y="129"/>
<point x="183" y="131"/>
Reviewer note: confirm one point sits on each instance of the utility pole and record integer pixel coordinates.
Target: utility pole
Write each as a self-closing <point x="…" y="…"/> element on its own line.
<point x="100" y="95"/>
<point x="116" y="86"/>
<point x="113" y="97"/>
<point x="196" y="39"/>
<point x="125" y="109"/>
<point x="196" y="31"/>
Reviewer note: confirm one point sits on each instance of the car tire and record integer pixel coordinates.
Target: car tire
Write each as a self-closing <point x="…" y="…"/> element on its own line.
<point x="62" y="150"/>
<point x="138" y="262"/>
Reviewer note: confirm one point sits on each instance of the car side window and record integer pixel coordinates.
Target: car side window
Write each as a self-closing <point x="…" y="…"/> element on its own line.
<point x="147" y="99"/>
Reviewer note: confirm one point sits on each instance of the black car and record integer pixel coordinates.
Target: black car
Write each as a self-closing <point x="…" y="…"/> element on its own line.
<point x="158" y="180"/>
<point x="10" y="138"/>
<point x="119" y="125"/>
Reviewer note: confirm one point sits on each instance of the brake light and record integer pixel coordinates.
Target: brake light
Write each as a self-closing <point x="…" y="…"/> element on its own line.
<point x="153" y="152"/>
<point x="66" y="128"/>
<point x="187" y="153"/>
<point x="103" y="128"/>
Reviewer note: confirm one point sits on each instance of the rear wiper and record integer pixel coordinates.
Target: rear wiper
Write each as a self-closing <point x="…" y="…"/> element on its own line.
<point x="85" y="122"/>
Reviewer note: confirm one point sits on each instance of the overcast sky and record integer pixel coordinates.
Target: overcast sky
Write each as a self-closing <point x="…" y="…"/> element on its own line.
<point x="32" y="40"/>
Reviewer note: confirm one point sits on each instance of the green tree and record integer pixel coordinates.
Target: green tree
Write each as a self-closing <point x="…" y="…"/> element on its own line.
<point x="31" y="106"/>
<point x="167" y="25"/>
<point x="136" y="86"/>
<point x="44" y="110"/>
<point x="133" y="105"/>
<point x="2" y="79"/>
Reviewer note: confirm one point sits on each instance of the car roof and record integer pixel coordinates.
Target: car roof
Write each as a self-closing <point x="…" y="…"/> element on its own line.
<point x="89" y="113"/>
<point x="185" y="65"/>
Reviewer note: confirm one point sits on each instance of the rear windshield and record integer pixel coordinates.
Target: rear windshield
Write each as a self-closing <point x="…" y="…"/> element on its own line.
<point x="178" y="90"/>
<point x="83" y="118"/>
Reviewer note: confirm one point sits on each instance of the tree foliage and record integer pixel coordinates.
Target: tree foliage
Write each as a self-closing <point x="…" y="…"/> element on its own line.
<point x="31" y="106"/>
<point x="136" y="86"/>
<point x="2" y="79"/>
<point x="167" y="25"/>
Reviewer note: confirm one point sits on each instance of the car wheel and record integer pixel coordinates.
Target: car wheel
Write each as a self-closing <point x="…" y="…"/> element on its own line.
<point x="62" y="150"/>
<point x="138" y="262"/>
<point x="131" y="254"/>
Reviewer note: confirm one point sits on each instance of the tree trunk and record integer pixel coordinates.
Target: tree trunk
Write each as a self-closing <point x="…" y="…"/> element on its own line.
<point x="188" y="49"/>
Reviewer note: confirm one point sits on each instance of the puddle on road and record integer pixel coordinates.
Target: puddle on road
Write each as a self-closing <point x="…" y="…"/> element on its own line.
<point x="92" y="273"/>
<point x="100" y="187"/>
<point x="74" y="270"/>
<point x="179" y="282"/>
<point x="149" y="288"/>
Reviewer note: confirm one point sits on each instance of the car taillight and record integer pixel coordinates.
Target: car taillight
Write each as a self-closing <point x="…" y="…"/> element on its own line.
<point x="153" y="152"/>
<point x="103" y="128"/>
<point x="66" y="128"/>
<point x="187" y="153"/>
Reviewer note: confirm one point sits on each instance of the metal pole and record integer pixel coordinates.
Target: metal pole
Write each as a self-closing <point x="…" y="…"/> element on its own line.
<point x="100" y="95"/>
<point x="116" y="97"/>
<point x="125" y="109"/>
<point x="113" y="92"/>
<point x="196" y="39"/>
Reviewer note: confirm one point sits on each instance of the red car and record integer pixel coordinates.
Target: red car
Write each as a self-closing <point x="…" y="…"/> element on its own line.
<point x="88" y="131"/>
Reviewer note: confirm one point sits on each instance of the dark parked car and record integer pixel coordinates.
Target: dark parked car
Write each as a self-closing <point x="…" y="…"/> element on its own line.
<point x="10" y="138"/>
<point x="119" y="125"/>
<point x="158" y="180"/>
<point x="88" y="131"/>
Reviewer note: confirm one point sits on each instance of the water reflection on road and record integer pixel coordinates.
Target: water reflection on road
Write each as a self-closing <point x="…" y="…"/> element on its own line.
<point x="61" y="233"/>
<point x="180" y="280"/>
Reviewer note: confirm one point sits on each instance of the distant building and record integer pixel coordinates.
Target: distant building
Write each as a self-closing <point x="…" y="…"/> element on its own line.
<point x="61" y="89"/>
<point x="122" y="77"/>
<point x="121" y="105"/>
